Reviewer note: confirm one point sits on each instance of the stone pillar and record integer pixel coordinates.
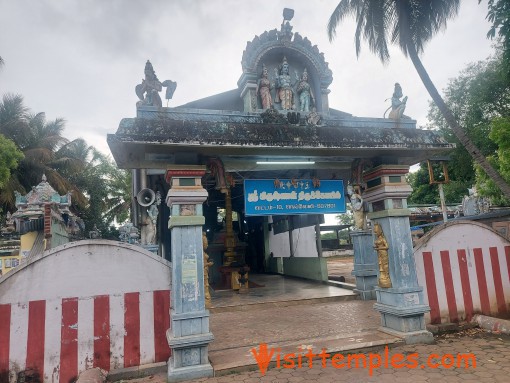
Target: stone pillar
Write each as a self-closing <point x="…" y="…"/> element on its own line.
<point x="401" y="306"/>
<point x="324" y="108"/>
<point x="248" y="94"/>
<point x="365" y="264"/>
<point x="189" y="335"/>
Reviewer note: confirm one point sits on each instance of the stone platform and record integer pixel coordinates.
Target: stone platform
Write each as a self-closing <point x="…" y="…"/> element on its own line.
<point x="290" y="313"/>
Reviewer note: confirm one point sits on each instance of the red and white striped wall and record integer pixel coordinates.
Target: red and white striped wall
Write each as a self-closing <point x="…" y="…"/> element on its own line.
<point x="60" y="338"/>
<point x="92" y="304"/>
<point x="464" y="268"/>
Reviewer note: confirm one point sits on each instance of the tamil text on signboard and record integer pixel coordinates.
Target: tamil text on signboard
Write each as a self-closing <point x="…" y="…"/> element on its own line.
<point x="267" y="197"/>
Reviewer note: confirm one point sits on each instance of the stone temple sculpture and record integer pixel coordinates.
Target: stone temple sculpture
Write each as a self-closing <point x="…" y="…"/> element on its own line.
<point x="305" y="93"/>
<point x="148" y="90"/>
<point x="264" y="89"/>
<point x="397" y="106"/>
<point x="358" y="211"/>
<point x="283" y="84"/>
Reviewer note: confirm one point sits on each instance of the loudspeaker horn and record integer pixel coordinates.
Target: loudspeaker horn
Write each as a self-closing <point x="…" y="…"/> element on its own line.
<point x="146" y="197"/>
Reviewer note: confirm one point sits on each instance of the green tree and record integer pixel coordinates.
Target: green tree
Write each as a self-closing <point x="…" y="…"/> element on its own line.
<point x="410" y="24"/>
<point x="108" y="188"/>
<point x="101" y="192"/>
<point x="347" y="217"/>
<point x="477" y="96"/>
<point x="41" y="143"/>
<point x="499" y="16"/>
<point x="500" y="134"/>
<point x="10" y="156"/>
<point x="426" y="194"/>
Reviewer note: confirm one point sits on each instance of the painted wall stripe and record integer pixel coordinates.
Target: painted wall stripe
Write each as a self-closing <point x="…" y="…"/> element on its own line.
<point x="60" y="338"/>
<point x="466" y="288"/>
<point x="146" y="323"/>
<point x="482" y="281"/>
<point x="69" y="347"/>
<point x="440" y="287"/>
<point x="420" y="273"/>
<point x="507" y="255"/>
<point x="117" y="331"/>
<point x="448" y="281"/>
<point x="35" y="337"/>
<point x="489" y="277"/>
<point x="498" y="283"/>
<point x="19" y="336"/>
<point x="85" y="333"/>
<point x="102" y="332"/>
<point x="161" y="324"/>
<point x="473" y="281"/>
<point x="132" y="329"/>
<point x="428" y="265"/>
<point x="52" y="343"/>
<point x="5" y="335"/>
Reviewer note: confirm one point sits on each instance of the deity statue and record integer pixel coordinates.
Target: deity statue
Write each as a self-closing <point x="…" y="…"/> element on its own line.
<point x="304" y="91"/>
<point x="381" y="246"/>
<point x="264" y="89"/>
<point x="284" y="92"/>
<point x="358" y="211"/>
<point x="207" y="264"/>
<point x="148" y="90"/>
<point x="397" y="106"/>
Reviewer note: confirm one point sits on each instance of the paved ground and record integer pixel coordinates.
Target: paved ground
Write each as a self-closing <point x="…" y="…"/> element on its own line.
<point x="335" y="326"/>
<point x="288" y="316"/>
<point x="277" y="291"/>
<point x="341" y="266"/>
<point x="492" y="354"/>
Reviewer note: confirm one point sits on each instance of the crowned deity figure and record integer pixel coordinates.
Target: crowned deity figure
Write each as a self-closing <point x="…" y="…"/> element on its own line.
<point x="283" y="84"/>
<point x="358" y="211"/>
<point x="264" y="89"/>
<point x="381" y="247"/>
<point x="397" y="106"/>
<point x="304" y="91"/>
<point x="148" y="90"/>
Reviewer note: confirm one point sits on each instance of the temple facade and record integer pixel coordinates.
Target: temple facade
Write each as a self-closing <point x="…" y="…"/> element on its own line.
<point x="274" y="138"/>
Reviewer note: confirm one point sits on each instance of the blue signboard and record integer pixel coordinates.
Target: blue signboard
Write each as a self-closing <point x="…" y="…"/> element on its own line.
<point x="287" y="197"/>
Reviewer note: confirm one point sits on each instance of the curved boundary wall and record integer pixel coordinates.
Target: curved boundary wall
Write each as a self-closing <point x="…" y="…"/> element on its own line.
<point x="464" y="268"/>
<point x="85" y="304"/>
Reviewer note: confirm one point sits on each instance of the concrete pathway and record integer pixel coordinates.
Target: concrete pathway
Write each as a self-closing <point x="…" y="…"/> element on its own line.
<point x="292" y="316"/>
<point x="492" y="354"/>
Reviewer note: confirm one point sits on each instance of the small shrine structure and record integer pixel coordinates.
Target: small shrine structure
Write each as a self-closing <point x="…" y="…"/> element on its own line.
<point x="43" y="219"/>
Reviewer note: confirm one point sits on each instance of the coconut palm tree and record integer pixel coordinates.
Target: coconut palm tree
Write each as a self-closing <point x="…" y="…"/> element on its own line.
<point x="410" y="24"/>
<point x="41" y="143"/>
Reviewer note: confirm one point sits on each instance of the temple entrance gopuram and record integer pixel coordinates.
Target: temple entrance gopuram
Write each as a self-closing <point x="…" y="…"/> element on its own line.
<point x="256" y="168"/>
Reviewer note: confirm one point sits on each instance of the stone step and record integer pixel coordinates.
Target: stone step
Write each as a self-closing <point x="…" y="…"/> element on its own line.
<point x="281" y="303"/>
<point x="240" y="359"/>
<point x="343" y="285"/>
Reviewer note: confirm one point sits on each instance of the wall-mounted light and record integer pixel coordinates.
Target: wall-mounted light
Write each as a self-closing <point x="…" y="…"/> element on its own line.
<point x="285" y="162"/>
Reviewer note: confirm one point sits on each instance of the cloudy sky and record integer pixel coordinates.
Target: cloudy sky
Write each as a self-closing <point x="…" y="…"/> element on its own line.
<point x="81" y="59"/>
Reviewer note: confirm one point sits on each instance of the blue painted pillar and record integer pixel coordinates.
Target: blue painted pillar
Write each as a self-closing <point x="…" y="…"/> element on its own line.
<point x="189" y="335"/>
<point x="401" y="306"/>
<point x="365" y="264"/>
